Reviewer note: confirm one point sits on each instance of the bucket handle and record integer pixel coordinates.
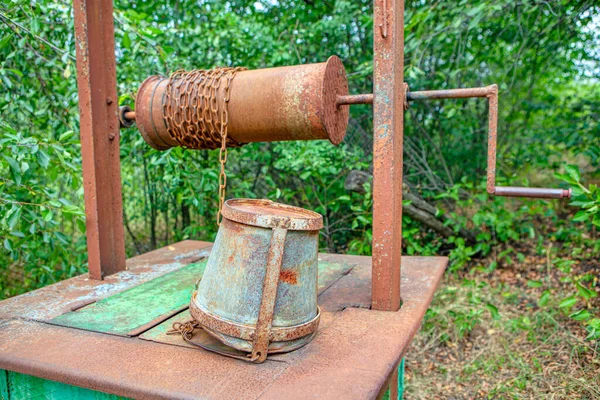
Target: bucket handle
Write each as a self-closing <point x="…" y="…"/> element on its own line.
<point x="262" y="335"/>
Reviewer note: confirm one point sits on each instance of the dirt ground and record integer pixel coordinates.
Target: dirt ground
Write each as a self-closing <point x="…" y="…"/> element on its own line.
<point x="488" y="334"/>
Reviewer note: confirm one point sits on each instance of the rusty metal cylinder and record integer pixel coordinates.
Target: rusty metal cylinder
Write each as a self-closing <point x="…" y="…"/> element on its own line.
<point x="258" y="239"/>
<point x="265" y="105"/>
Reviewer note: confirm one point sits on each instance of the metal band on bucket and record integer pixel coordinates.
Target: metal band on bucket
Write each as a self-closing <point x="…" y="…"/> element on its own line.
<point x="247" y="332"/>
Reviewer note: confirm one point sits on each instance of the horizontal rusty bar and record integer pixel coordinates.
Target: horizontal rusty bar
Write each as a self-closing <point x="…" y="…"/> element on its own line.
<point x="465" y="93"/>
<point x="355" y="99"/>
<point x="130" y="115"/>
<point x="534" y="193"/>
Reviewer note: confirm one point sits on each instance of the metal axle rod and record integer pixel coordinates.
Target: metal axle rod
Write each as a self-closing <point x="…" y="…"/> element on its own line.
<point x="423" y="95"/>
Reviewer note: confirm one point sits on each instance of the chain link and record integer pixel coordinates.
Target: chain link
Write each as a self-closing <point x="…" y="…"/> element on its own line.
<point x="193" y="117"/>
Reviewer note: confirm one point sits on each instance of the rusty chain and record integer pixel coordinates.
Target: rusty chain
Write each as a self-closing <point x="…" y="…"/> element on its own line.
<point x="186" y="330"/>
<point x="193" y="117"/>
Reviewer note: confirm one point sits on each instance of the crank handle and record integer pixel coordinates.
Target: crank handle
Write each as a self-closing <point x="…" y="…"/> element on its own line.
<point x="534" y="193"/>
<point x="491" y="93"/>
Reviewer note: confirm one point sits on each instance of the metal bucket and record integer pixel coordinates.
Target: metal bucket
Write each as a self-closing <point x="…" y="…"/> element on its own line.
<point x="258" y="293"/>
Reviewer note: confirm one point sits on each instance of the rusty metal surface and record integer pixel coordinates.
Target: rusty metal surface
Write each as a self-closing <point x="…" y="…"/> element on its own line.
<point x="464" y="93"/>
<point x="194" y="116"/>
<point x="355" y="99"/>
<point x="128" y="367"/>
<point x="129" y="115"/>
<point x="62" y="297"/>
<point x="388" y="120"/>
<point x="269" y="214"/>
<point x="270" y="286"/>
<point x="126" y="117"/>
<point x="274" y="104"/>
<point x="357" y="334"/>
<point x="492" y="138"/>
<point x="333" y="365"/>
<point x="99" y="125"/>
<point x="262" y="273"/>
<point x="148" y="113"/>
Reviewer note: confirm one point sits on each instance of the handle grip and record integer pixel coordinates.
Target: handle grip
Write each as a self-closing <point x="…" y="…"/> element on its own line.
<point x="534" y="193"/>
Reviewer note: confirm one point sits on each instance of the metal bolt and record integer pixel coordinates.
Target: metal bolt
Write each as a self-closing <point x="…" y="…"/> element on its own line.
<point x="108" y="100"/>
<point x="111" y="136"/>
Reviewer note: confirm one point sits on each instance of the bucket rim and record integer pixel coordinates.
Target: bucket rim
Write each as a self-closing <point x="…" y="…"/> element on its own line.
<point x="269" y="214"/>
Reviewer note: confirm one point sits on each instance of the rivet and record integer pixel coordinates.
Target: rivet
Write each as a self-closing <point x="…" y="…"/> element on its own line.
<point x="108" y="100"/>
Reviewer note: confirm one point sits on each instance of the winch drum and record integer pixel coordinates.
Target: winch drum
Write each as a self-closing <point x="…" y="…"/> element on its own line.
<point x="265" y="105"/>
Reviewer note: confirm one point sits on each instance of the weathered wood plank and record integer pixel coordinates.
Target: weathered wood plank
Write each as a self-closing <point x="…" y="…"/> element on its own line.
<point x="125" y="313"/>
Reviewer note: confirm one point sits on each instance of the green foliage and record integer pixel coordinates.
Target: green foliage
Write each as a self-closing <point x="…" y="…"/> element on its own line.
<point x="588" y="199"/>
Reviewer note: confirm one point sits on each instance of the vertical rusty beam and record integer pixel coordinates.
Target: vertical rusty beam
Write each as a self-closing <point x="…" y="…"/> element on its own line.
<point x="98" y="108"/>
<point x="388" y="120"/>
<point x="394" y="386"/>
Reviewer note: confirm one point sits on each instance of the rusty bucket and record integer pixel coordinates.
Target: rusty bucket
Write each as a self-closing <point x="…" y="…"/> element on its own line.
<point x="258" y="294"/>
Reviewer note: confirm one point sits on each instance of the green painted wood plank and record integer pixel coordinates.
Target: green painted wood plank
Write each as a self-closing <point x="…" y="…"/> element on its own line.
<point x="126" y="312"/>
<point x="27" y="387"/>
<point x="3" y="385"/>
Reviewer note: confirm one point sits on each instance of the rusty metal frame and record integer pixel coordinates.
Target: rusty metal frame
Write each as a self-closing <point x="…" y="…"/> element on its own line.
<point x="99" y="125"/>
<point x="388" y="129"/>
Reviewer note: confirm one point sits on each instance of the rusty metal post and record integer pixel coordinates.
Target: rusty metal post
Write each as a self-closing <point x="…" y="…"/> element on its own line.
<point x="394" y="386"/>
<point x="388" y="120"/>
<point x="99" y="124"/>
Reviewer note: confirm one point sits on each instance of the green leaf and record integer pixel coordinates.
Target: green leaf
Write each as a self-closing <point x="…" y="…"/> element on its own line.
<point x="126" y="40"/>
<point x="305" y="175"/>
<point x="493" y="310"/>
<point x="80" y="224"/>
<point x="62" y="237"/>
<point x="14" y="217"/>
<point x="48" y="216"/>
<point x="14" y="165"/>
<point x="5" y="40"/>
<point x="534" y="284"/>
<point x="573" y="173"/>
<point x="65" y="136"/>
<point x="581" y="216"/>
<point x="43" y="159"/>
<point x="568" y="302"/>
<point x="581" y="315"/>
<point x="584" y="292"/>
<point x="544" y="298"/>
